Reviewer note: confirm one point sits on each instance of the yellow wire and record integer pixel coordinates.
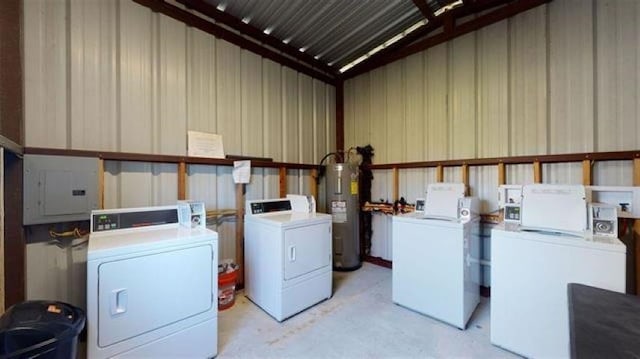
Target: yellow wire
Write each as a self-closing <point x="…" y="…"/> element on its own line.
<point x="76" y="232"/>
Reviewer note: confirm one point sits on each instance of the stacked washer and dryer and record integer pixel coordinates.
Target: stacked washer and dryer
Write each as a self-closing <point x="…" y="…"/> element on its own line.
<point x="436" y="268"/>
<point x="554" y="242"/>
<point x="151" y="284"/>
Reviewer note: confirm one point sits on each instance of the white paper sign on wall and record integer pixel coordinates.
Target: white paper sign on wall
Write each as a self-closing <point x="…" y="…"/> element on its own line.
<point x="241" y="171"/>
<point x="203" y="144"/>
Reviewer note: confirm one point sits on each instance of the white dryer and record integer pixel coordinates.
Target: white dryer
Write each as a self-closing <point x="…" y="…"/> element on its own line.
<point x="151" y="286"/>
<point x="435" y="256"/>
<point x="287" y="257"/>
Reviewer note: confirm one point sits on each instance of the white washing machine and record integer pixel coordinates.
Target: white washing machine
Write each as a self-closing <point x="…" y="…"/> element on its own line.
<point x="151" y="286"/>
<point x="287" y="257"/>
<point x="436" y="269"/>
<point x="531" y="268"/>
<point x="529" y="276"/>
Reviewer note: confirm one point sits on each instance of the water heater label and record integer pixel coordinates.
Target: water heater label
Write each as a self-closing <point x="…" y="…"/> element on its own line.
<point x="339" y="211"/>
<point x="354" y="187"/>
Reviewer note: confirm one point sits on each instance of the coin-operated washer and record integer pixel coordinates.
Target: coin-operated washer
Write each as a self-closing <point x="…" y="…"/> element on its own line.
<point x="287" y="255"/>
<point x="151" y="285"/>
<point x="533" y="261"/>
<point x="436" y="251"/>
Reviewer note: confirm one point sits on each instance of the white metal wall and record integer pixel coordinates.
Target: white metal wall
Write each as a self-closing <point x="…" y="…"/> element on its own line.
<point x="55" y="273"/>
<point x="112" y="75"/>
<point x="560" y="78"/>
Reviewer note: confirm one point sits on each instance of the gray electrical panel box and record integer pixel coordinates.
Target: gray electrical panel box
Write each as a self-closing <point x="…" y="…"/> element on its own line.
<point x="59" y="188"/>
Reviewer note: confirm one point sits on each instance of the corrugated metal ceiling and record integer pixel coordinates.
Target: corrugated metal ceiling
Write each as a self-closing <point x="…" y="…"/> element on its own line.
<point x="334" y="31"/>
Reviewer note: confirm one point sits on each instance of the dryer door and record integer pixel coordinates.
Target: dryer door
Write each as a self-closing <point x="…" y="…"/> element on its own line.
<point x="140" y="294"/>
<point x="306" y="249"/>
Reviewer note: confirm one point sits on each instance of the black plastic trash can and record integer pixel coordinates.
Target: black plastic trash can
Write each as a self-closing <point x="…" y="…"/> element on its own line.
<point x="41" y="329"/>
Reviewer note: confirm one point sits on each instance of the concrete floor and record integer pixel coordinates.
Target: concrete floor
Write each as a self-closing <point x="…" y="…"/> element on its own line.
<point x="359" y="321"/>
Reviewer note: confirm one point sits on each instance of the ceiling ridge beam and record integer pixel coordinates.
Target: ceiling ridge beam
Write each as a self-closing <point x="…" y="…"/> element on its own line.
<point x="236" y="24"/>
<point x="196" y="21"/>
<point x="425" y="10"/>
<point x="408" y="48"/>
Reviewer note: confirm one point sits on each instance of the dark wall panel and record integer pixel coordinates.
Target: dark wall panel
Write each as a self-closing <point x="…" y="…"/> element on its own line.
<point x="11" y="116"/>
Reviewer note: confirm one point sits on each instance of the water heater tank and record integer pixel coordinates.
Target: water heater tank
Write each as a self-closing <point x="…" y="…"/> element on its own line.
<point x="343" y="205"/>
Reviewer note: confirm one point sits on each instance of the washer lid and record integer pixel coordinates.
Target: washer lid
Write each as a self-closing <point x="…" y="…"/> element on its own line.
<point x="595" y="242"/>
<point x="554" y="207"/>
<point x="442" y="199"/>
<point x="146" y="239"/>
<point x="422" y="219"/>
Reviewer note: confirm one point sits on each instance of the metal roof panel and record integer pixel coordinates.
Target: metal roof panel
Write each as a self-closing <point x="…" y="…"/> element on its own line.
<point x="337" y="31"/>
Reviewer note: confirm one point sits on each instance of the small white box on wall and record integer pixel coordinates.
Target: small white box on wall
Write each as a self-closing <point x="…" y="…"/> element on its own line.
<point x="625" y="199"/>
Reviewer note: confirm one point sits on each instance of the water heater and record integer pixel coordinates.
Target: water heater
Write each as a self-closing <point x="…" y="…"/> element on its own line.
<point x="343" y="205"/>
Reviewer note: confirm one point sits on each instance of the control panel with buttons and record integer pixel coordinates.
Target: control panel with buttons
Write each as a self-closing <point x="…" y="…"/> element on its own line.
<point x="512" y="213"/>
<point x="117" y="219"/>
<point x="105" y="222"/>
<point x="270" y="206"/>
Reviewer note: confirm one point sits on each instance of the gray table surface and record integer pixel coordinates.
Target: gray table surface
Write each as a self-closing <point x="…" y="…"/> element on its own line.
<point x="602" y="323"/>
